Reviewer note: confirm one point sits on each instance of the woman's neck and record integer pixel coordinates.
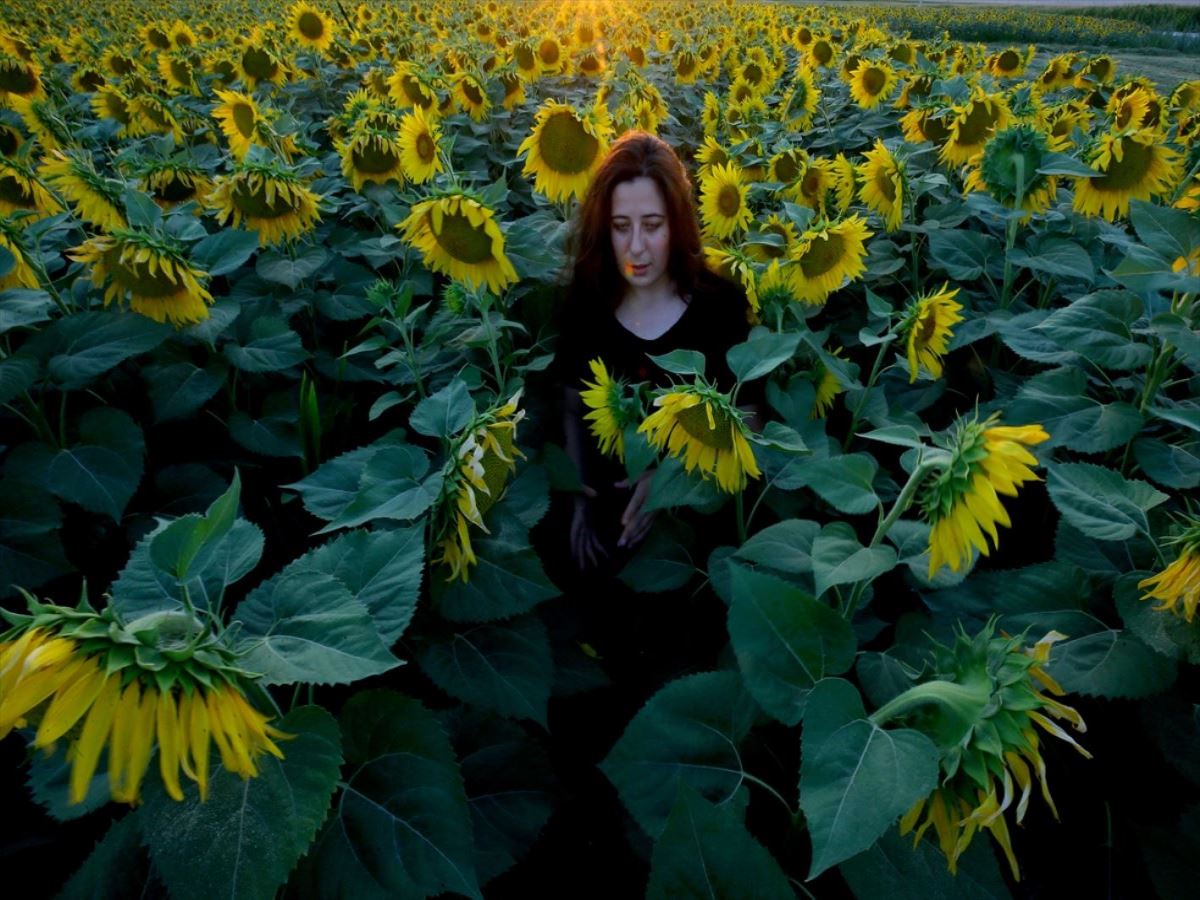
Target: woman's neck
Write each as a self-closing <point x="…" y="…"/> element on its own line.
<point x="650" y="296"/>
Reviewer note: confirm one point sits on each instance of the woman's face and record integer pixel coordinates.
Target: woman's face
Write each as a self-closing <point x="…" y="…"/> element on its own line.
<point x="641" y="234"/>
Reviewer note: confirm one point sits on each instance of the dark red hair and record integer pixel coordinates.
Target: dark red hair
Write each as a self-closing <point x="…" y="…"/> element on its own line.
<point x="635" y="154"/>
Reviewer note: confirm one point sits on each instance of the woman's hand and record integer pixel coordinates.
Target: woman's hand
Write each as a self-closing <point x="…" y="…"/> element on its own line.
<point x="636" y="523"/>
<point x="586" y="549"/>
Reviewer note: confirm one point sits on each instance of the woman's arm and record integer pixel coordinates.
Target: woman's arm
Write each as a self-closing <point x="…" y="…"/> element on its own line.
<point x="586" y="548"/>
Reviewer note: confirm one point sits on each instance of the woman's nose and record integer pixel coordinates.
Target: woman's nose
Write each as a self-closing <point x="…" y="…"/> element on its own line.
<point x="637" y="241"/>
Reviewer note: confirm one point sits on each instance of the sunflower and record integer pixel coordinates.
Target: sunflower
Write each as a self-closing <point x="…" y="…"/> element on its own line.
<point x="871" y="83"/>
<point x="1015" y="154"/>
<point x="22" y="274"/>
<point x="961" y="501"/>
<point x="1059" y="72"/>
<point x="460" y="237"/>
<point x="827" y="387"/>
<point x="269" y="198"/>
<point x="371" y="154"/>
<point x="1059" y="123"/>
<point x="822" y="53"/>
<point x="257" y="63"/>
<point x="685" y="67"/>
<point x="154" y="37"/>
<point x="1009" y="63"/>
<point x="238" y="116"/>
<point x="564" y="149"/>
<point x="148" y="270"/>
<point x="605" y="397"/>
<point x="710" y="115"/>
<point x="420" y="156"/>
<point x="1132" y="166"/>
<point x="826" y="256"/>
<point x="786" y="166"/>
<point x="1178" y="583"/>
<point x="1097" y="71"/>
<point x="926" y="330"/>
<point x="108" y="102"/>
<point x="181" y="35"/>
<point x="310" y="27"/>
<point x="151" y="114"/>
<point x="10" y="140"/>
<point x="973" y="124"/>
<point x="411" y="87"/>
<point x="178" y="71"/>
<point x="702" y="427"/>
<point x="723" y="201"/>
<point x="845" y="181"/>
<point x="882" y="189"/>
<point x="525" y="58"/>
<point x="480" y="461"/>
<point x="72" y="677"/>
<point x="915" y="87"/>
<point x="42" y="120"/>
<point x="20" y="78"/>
<point x="173" y="183"/>
<point x="20" y="190"/>
<point x="471" y="96"/>
<point x="983" y="704"/>
<point x="550" y="56"/>
<point x="85" y="80"/>
<point x="97" y="199"/>
<point x="799" y="105"/>
<point x="926" y="123"/>
<point x="1132" y="110"/>
<point x="817" y="178"/>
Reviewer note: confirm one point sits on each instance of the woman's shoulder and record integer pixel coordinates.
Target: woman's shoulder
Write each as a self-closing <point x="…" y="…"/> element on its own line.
<point x="719" y="296"/>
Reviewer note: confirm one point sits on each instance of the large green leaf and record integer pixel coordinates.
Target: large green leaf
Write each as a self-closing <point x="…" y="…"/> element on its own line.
<point x="445" y="413"/>
<point x="785" y="546"/>
<point x="507" y="580"/>
<point x="762" y="353"/>
<point x="17" y="374"/>
<point x="179" y="389"/>
<point x="705" y="852"/>
<point x="327" y="492"/>
<point x="785" y="642"/>
<point x="22" y="306"/>
<point x="661" y="563"/>
<point x="963" y="254"/>
<point x="893" y="869"/>
<point x="688" y="731"/>
<point x="1171" y="465"/>
<point x="505" y="666"/>
<point x="1042" y="596"/>
<point x="396" y="485"/>
<point x="269" y="346"/>
<point x="382" y="569"/>
<point x="838" y="558"/>
<point x="1098" y="328"/>
<point x="31" y="551"/>
<point x="844" y="482"/>
<point x="100" y="473"/>
<point x="225" y="251"/>
<point x="87" y="344"/>
<point x="305" y="626"/>
<point x="242" y="841"/>
<point x="1058" y="400"/>
<point x="1101" y="502"/>
<point x="1059" y="257"/>
<point x="1169" y="232"/>
<point x="1162" y="630"/>
<point x="1110" y="663"/>
<point x="289" y="269"/>
<point x="509" y="784"/>
<point x="673" y="486"/>
<point x="856" y="779"/>
<point x="191" y="540"/>
<point x="403" y="827"/>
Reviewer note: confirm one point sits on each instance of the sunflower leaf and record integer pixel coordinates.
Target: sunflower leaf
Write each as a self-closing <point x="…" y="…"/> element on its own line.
<point x="1100" y="502"/>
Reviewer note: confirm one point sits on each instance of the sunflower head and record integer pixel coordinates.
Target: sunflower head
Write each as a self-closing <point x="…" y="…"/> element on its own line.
<point x="883" y="185"/>
<point x="871" y="83"/>
<point x="612" y="409"/>
<point x="826" y="256"/>
<point x="269" y="197"/>
<point x="927" y="329"/>
<point x="704" y="430"/>
<point x="74" y="673"/>
<point x="20" y="190"/>
<point x="20" y="78"/>
<point x="1134" y="165"/>
<point x="1009" y="169"/>
<point x="984" y="703"/>
<point x="310" y="27"/>
<point x="724" y="204"/>
<point x="565" y="148"/>
<point x="171" y="182"/>
<point x="97" y="199"/>
<point x="150" y="272"/>
<point x="371" y="155"/>
<point x="1177" y="587"/>
<point x="22" y="275"/>
<point x="961" y="500"/>
<point x="973" y="124"/>
<point x="239" y="119"/>
<point x="459" y="236"/>
<point x="482" y="458"/>
<point x="420" y="154"/>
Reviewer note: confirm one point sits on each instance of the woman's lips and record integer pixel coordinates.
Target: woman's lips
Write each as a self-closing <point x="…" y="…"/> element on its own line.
<point x="639" y="270"/>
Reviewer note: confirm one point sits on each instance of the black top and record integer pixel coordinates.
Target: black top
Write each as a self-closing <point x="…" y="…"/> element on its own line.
<point x="715" y="320"/>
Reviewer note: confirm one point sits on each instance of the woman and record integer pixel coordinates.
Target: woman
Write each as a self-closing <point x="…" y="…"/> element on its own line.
<point x="640" y="288"/>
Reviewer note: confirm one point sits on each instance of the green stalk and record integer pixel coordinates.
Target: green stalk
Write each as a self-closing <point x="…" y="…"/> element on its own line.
<point x="957" y="698"/>
<point x="1010" y="234"/>
<point x="883" y="346"/>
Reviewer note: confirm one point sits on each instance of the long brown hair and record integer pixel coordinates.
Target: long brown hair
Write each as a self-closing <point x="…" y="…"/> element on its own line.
<point x="635" y="154"/>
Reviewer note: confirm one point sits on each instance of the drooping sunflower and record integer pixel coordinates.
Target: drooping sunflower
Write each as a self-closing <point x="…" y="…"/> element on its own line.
<point x="1008" y="170"/>
<point x="239" y="118"/>
<point x="41" y="118"/>
<point x="983" y="704"/>
<point x="787" y="166"/>
<point x="845" y="182"/>
<point x="22" y="274"/>
<point x="20" y="78"/>
<point x="1177" y="587"/>
<point x="799" y="104"/>
<point x="827" y="387"/>
<point x="481" y="460"/>
<point x="565" y="148"/>
<point x="915" y="87"/>
<point x="20" y="190"/>
<point x="710" y="115"/>
<point x="973" y="124"/>
<point x="1133" y="166"/>
<point x="699" y="425"/>
<point x="109" y="102"/>
<point x="258" y="63"/>
<point x="927" y="328"/>
<point x="609" y="415"/>
<point x="1010" y="63"/>
<point x="371" y="154"/>
<point x="882" y="177"/>
<point x="269" y="198"/>
<point x="1059" y="72"/>
<point x="1096" y="71"/>
<point x="723" y="201"/>
<point x="178" y="70"/>
<point x="420" y="156"/>
<point x="172" y="182"/>
<point x="926" y="123"/>
<point x="826" y="256"/>
<point x="460" y="237"/>
<point x="152" y="114"/>
<point x="97" y="200"/>
<point x="70" y="672"/>
<point x="871" y="83"/>
<point x="150" y="271"/>
<point x="1059" y="123"/>
<point x="310" y="27"/>
<point x="514" y="89"/>
<point x="961" y="501"/>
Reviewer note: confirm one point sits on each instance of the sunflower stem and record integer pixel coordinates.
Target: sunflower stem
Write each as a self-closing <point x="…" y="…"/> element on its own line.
<point x="955" y="698"/>
<point x="1183" y="184"/>
<point x="862" y="399"/>
<point x="746" y="776"/>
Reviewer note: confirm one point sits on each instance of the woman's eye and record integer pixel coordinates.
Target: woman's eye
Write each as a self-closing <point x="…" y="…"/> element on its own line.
<point x="621" y="228"/>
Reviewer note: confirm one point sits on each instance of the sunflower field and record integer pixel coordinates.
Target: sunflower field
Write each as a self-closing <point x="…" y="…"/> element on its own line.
<point x="280" y="454"/>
